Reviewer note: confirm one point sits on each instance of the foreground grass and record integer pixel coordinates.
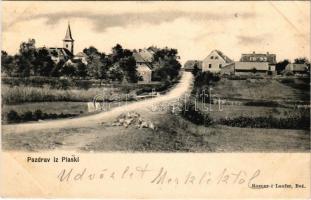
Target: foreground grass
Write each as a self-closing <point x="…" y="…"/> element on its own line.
<point x="174" y="134"/>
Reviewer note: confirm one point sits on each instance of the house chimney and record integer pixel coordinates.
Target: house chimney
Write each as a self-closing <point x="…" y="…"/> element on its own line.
<point x="253" y="52"/>
<point x="267" y="52"/>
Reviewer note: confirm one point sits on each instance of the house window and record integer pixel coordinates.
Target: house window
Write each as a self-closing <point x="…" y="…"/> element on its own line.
<point x="220" y="65"/>
<point x="209" y="65"/>
<point x="216" y="57"/>
<point x="212" y="57"/>
<point x="66" y="45"/>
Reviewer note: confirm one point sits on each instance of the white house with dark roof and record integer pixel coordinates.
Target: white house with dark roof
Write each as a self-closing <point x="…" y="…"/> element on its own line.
<point x="82" y="57"/>
<point x="297" y="68"/>
<point x="215" y="61"/>
<point x="143" y="68"/>
<point x="255" y="63"/>
<point x="252" y="67"/>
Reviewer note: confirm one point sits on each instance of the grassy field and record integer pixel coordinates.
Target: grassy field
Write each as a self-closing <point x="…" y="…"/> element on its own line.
<point x="226" y="111"/>
<point x="262" y="89"/>
<point x="22" y="94"/>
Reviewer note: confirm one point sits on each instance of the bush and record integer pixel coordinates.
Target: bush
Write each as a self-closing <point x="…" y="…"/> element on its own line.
<point x="190" y="113"/>
<point x="205" y="78"/>
<point x="294" y="122"/>
<point x="157" y="88"/>
<point x="38" y="114"/>
<point x="289" y="73"/>
<point x="287" y="80"/>
<point x="14" y="117"/>
<point x="237" y="77"/>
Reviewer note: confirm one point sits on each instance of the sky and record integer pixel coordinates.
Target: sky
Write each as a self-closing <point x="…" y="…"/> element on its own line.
<point x="193" y="28"/>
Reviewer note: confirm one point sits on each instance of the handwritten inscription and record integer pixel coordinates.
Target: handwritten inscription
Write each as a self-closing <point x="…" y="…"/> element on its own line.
<point x="160" y="176"/>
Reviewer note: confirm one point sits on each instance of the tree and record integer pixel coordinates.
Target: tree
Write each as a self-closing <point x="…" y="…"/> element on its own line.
<point x="91" y="51"/>
<point x="7" y="63"/>
<point x="57" y="70"/>
<point x="280" y="66"/>
<point x="115" y="73"/>
<point x="167" y="65"/>
<point x="43" y="64"/>
<point x="117" y="53"/>
<point x="81" y="70"/>
<point x="26" y="58"/>
<point x="98" y="64"/>
<point x="195" y="69"/>
<point x="128" y="65"/>
<point x="68" y="70"/>
<point x="302" y="61"/>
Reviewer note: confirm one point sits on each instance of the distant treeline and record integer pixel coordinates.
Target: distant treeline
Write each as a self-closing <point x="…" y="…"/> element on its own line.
<point x="119" y="65"/>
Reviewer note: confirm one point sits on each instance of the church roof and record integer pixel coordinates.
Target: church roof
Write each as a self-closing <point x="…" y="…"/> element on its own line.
<point x="68" y="36"/>
<point x="60" y="52"/>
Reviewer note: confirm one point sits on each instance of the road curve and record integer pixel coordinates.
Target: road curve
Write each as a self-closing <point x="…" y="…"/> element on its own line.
<point x="177" y="92"/>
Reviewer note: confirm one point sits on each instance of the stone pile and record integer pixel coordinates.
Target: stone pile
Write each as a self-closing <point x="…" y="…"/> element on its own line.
<point x="133" y="119"/>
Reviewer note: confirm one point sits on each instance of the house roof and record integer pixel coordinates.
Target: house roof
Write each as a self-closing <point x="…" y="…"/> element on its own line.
<point x="81" y="54"/>
<point x="73" y="61"/>
<point x="297" y="67"/>
<point x="223" y="56"/>
<point x="258" y="54"/>
<point x="138" y="58"/>
<point x="152" y="49"/>
<point x="68" y="36"/>
<point x="146" y="55"/>
<point x="251" y="65"/>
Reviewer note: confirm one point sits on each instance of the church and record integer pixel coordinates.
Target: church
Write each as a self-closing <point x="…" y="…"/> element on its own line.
<point x="66" y="53"/>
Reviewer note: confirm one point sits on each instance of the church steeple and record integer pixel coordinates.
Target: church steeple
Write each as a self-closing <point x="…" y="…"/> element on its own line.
<point x="68" y="40"/>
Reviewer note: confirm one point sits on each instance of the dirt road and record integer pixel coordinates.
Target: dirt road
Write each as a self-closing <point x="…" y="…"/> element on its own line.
<point x="177" y="92"/>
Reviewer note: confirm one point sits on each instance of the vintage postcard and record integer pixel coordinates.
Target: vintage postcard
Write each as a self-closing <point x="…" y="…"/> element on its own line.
<point x="155" y="99"/>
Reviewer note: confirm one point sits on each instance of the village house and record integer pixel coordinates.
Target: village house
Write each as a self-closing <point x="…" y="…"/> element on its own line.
<point x="143" y="68"/>
<point x="297" y="68"/>
<point x="252" y="64"/>
<point x="82" y="57"/>
<point x="215" y="61"/>
<point x="258" y="57"/>
<point x="256" y="63"/>
<point x="247" y="68"/>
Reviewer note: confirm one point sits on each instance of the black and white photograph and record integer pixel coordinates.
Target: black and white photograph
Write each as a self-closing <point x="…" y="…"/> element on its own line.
<point x="155" y="99"/>
<point x="141" y="77"/>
